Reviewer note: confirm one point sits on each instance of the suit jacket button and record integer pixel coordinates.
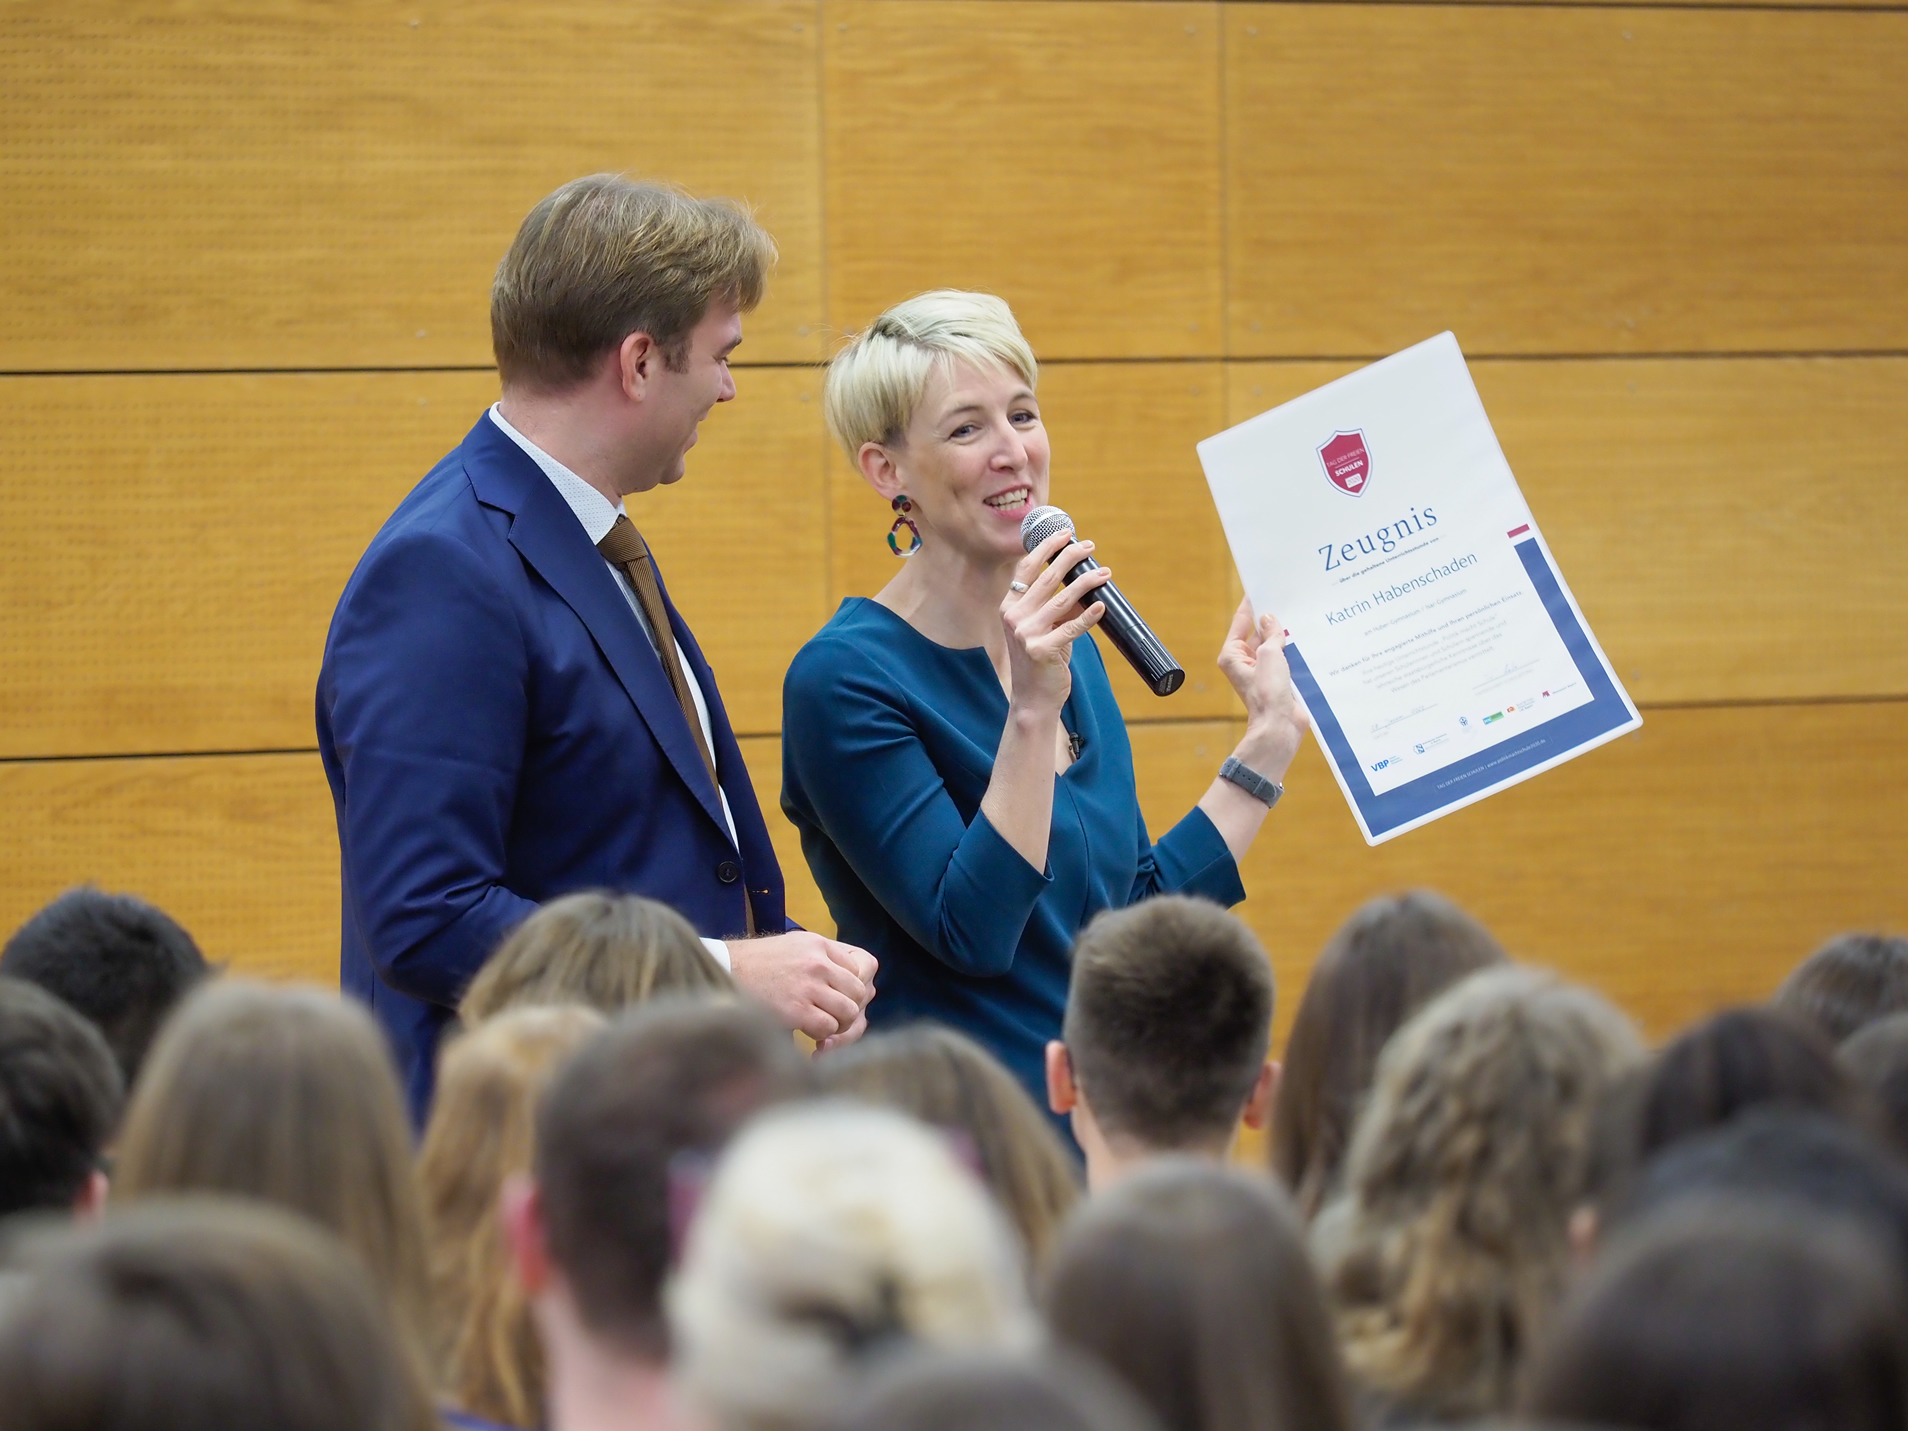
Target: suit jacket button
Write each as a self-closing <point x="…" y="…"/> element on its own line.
<point x="728" y="872"/>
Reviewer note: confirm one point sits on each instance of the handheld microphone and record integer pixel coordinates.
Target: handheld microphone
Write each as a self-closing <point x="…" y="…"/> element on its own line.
<point x="1121" y="623"/>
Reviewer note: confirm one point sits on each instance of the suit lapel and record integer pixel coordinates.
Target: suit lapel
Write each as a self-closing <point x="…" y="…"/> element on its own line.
<point x="548" y="536"/>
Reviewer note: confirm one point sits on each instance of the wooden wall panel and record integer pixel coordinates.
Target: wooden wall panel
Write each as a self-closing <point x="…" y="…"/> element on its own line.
<point x="1064" y="155"/>
<point x="1729" y="525"/>
<point x="1565" y="180"/>
<point x="1686" y="866"/>
<point x="241" y="850"/>
<point x="184" y="540"/>
<point x="1124" y="467"/>
<point x="283" y="185"/>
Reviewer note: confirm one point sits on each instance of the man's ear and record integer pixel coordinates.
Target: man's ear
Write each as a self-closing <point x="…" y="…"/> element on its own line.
<point x="878" y="468"/>
<point x="1258" y="1104"/>
<point x="520" y="1209"/>
<point x="90" y="1205"/>
<point x="637" y="358"/>
<point x="1062" y="1094"/>
<point x="1584" y="1235"/>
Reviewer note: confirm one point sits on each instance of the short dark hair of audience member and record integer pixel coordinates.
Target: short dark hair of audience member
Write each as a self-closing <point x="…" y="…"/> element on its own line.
<point x="1450" y="1243"/>
<point x="993" y="1391"/>
<point x="1192" y="1282"/>
<point x="1847" y="984"/>
<point x="833" y="1235"/>
<point x="118" y="960"/>
<point x="60" y="1097"/>
<point x="1740" y="1059"/>
<point x="288" y="1095"/>
<point x="1877" y="1059"/>
<point x="618" y="1135"/>
<point x="1163" y="1046"/>
<point x="1720" y="1316"/>
<point x="950" y="1082"/>
<point x="608" y="951"/>
<point x="195" y="1313"/>
<point x="1817" y="1165"/>
<point x="1384" y="964"/>
<point x="481" y="1132"/>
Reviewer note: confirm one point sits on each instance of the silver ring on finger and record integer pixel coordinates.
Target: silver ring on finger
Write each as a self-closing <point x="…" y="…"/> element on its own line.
<point x="1016" y="586"/>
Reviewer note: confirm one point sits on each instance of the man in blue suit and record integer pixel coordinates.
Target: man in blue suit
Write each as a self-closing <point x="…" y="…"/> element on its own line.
<point x="510" y="708"/>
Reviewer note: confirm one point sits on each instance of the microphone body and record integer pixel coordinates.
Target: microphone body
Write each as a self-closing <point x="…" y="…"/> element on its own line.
<point x="1144" y="651"/>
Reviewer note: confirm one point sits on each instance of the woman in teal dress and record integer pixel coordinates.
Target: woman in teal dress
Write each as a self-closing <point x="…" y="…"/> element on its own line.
<point x="951" y="750"/>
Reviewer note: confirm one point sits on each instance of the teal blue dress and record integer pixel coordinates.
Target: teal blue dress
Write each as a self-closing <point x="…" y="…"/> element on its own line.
<point x="888" y="743"/>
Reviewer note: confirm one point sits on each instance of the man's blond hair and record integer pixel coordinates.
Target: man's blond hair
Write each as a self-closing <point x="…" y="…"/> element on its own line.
<point x="604" y="257"/>
<point x="876" y="381"/>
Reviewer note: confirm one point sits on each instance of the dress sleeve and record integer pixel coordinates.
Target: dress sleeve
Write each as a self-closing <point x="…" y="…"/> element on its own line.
<point x="956" y="886"/>
<point x="1191" y="858"/>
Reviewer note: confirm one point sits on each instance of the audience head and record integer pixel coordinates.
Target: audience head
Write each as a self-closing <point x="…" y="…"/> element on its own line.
<point x="623" y="1135"/>
<point x="488" y="1360"/>
<point x="287" y="1095"/>
<point x="950" y="1082"/>
<point x="1847" y="984"/>
<point x="60" y="1096"/>
<point x="1730" y="1317"/>
<point x="832" y="1234"/>
<point x="1877" y="1059"/>
<point x="1163" y="1047"/>
<point x="200" y="1314"/>
<point x="608" y="951"/>
<point x="1193" y="1283"/>
<point x="1450" y="1242"/>
<point x="993" y="1391"/>
<point x="1380" y="968"/>
<point x="116" y="959"/>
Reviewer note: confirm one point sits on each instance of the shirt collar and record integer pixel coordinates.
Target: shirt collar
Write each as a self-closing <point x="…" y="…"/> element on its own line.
<point x="595" y="511"/>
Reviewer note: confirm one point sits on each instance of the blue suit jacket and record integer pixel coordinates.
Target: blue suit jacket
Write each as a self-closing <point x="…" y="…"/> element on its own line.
<point x="497" y="731"/>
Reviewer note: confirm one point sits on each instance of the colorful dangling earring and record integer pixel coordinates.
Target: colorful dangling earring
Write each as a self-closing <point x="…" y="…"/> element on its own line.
<point x="902" y="507"/>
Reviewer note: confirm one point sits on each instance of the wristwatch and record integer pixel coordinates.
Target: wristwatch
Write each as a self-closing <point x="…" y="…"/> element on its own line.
<point x="1250" y="781"/>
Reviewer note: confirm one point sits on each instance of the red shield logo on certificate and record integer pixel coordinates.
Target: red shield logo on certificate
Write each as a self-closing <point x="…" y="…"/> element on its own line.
<point x="1347" y="463"/>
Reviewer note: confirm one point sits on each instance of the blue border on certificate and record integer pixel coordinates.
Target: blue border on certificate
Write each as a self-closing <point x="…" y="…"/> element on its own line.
<point x="1553" y="738"/>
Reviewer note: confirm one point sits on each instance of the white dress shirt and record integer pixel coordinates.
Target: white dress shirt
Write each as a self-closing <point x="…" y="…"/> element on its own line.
<point x="598" y="514"/>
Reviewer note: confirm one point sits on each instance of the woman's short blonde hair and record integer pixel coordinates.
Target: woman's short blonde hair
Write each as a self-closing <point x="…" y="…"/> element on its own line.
<point x="876" y="381"/>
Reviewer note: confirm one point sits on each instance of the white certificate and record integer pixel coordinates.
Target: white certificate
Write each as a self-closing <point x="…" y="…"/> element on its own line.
<point x="1438" y="651"/>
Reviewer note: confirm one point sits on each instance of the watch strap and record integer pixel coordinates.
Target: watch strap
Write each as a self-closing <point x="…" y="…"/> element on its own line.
<point x="1250" y="781"/>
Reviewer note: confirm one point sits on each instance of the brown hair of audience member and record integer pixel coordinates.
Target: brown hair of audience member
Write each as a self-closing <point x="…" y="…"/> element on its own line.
<point x="946" y="1079"/>
<point x="603" y="257"/>
<point x="1721" y="1315"/>
<point x="993" y="1391"/>
<point x="606" y="950"/>
<point x="1847" y="984"/>
<point x="1450" y="1243"/>
<point x="665" y="1084"/>
<point x="195" y="1313"/>
<point x="1168" y="1019"/>
<point x="288" y="1095"/>
<point x="481" y="1131"/>
<point x="1877" y="1059"/>
<point x="1192" y="1282"/>
<point x="60" y="1098"/>
<point x="1383" y="965"/>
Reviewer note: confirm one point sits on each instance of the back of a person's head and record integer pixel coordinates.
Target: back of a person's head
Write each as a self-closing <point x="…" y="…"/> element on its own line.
<point x="1723" y="1316"/>
<point x="1169" y="1016"/>
<point x="1877" y="1059"/>
<point x="608" y="951"/>
<point x="833" y="1234"/>
<point x="619" y="1135"/>
<point x="116" y="959"/>
<point x="1847" y="984"/>
<point x="1450" y="1243"/>
<point x="285" y="1094"/>
<point x="60" y="1097"/>
<point x="1192" y="1283"/>
<point x="993" y="1391"/>
<point x="1384" y="964"/>
<point x="948" y="1081"/>
<point x="199" y="1314"/>
<point x="1736" y="1060"/>
<point x="1819" y="1166"/>
<point x="481" y="1131"/>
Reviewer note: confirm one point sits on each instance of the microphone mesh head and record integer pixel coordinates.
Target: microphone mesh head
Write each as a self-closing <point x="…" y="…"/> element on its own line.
<point x="1041" y="523"/>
